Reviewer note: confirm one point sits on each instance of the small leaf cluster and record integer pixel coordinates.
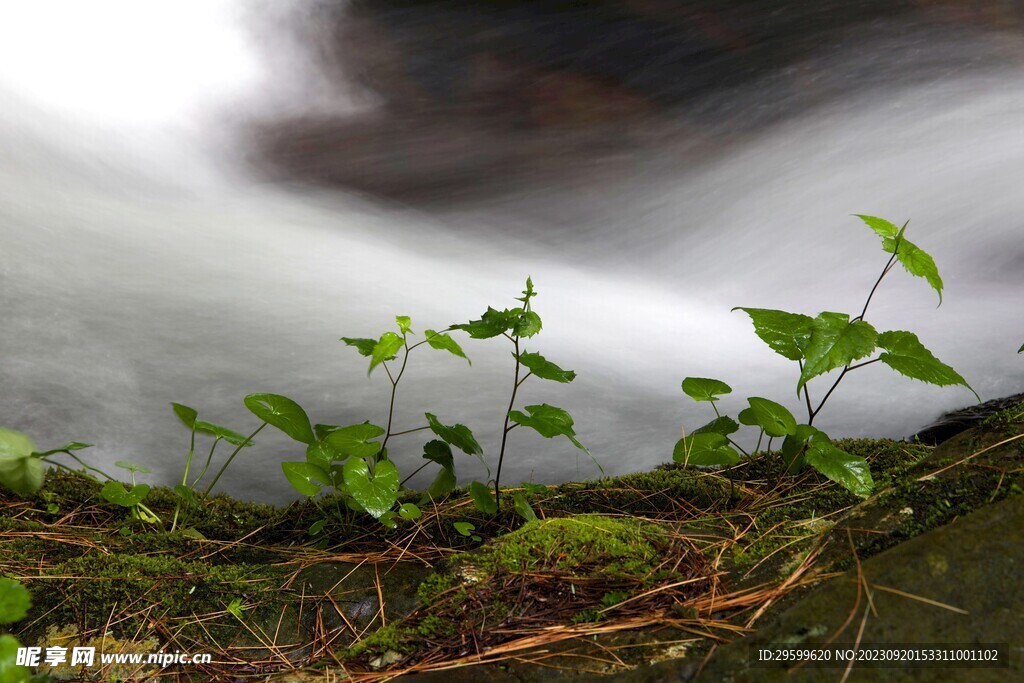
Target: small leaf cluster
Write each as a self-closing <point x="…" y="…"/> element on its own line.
<point x="819" y="345"/>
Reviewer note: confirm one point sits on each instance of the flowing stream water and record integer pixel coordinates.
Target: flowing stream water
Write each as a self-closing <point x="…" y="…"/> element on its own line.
<point x="142" y="261"/>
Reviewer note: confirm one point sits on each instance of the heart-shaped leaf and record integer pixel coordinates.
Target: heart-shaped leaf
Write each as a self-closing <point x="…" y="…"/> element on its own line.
<point x="723" y="425"/>
<point x="409" y="511"/>
<point x="283" y="413"/>
<point x="705" y="450"/>
<point x="464" y="528"/>
<point x="131" y="467"/>
<point x="354" y="440"/>
<point x="705" y="389"/>
<point x="116" y="493"/>
<point x="774" y="419"/>
<point x="376" y="491"/>
<point x="305" y="477"/>
<point x="527" y="324"/>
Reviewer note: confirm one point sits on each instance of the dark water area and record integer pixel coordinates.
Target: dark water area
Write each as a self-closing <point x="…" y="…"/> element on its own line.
<point x="196" y="225"/>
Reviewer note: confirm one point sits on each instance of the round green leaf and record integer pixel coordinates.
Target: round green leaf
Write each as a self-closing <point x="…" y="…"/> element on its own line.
<point x="19" y="470"/>
<point x="303" y="476"/>
<point x="131" y="467"/>
<point x="354" y="440"/>
<point x="773" y="418"/>
<point x="705" y="389"/>
<point x="464" y="528"/>
<point x="283" y="413"/>
<point x="376" y="491"/>
<point x="14" y="601"/>
<point x="409" y="511"/>
<point x="116" y="493"/>
<point x="705" y="450"/>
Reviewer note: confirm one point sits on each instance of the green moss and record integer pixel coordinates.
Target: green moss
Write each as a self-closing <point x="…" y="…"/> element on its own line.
<point x="1010" y="416"/>
<point x="587" y="543"/>
<point x="394" y="637"/>
<point x="642" y="494"/>
<point x="433" y="586"/>
<point x="433" y="626"/>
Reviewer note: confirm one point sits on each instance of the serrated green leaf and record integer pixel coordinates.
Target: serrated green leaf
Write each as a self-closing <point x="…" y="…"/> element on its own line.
<point x="218" y="432"/>
<point x="785" y="333"/>
<point x="905" y="354"/>
<point x="464" y="528"/>
<point x="20" y="471"/>
<point x="404" y="323"/>
<point x="483" y="499"/>
<point x="409" y="511"/>
<point x="549" y="422"/>
<point x="705" y="450"/>
<point x="522" y="507"/>
<point x="705" y="389"/>
<point x="723" y="425"/>
<point x="185" y="414"/>
<point x="386" y="348"/>
<point x="14" y="601"/>
<point x="439" y="452"/>
<point x="361" y="344"/>
<point x="849" y="471"/>
<point x="444" y="342"/>
<point x="131" y="467"/>
<point x="835" y="342"/>
<point x="528" y="293"/>
<point x="354" y="440"/>
<point x="457" y="435"/>
<point x="283" y="413"/>
<point x="916" y="261"/>
<point x="545" y="369"/>
<point x="376" y="492"/>
<point x="115" y="492"/>
<point x="773" y="418"/>
<point x="304" y="477"/>
<point x="491" y="324"/>
<point x="882" y="227"/>
<point x="527" y="324"/>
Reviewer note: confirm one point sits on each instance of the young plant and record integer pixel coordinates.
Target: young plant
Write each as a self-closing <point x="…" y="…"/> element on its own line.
<point x="517" y="325"/>
<point x="830" y="341"/>
<point x="14" y="604"/>
<point x="353" y="459"/>
<point x="22" y="471"/>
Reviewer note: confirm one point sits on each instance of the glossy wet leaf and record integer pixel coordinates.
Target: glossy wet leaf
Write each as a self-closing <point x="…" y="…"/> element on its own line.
<point x="457" y="435"/>
<point x="881" y="227"/>
<point x="773" y="418"/>
<point x="444" y="342"/>
<point x="185" y="414"/>
<point x="305" y="477"/>
<point x="545" y="369"/>
<point x="483" y="499"/>
<point x="785" y="333"/>
<point x="905" y="354"/>
<point x="705" y="450"/>
<point x="20" y="471"/>
<point x="915" y="260"/>
<point x="849" y="471"/>
<point x="355" y="440"/>
<point x="115" y="492"/>
<point x="386" y="348"/>
<point x="283" y="413"/>
<point x="376" y="492"/>
<point x="835" y="342"/>
<point x="723" y="425"/>
<point x="361" y="344"/>
<point x="404" y="324"/>
<point x="439" y="452"/>
<point x="548" y="421"/>
<point x="14" y="601"/>
<point x="705" y="388"/>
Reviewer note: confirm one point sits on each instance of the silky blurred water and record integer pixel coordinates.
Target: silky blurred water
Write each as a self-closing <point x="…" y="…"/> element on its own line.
<point x="142" y="261"/>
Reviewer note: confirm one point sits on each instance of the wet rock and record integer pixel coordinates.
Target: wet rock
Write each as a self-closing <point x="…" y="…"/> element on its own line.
<point x="958" y="421"/>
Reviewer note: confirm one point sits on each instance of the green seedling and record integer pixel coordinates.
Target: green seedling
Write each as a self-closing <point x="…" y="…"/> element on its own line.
<point x="830" y="341"/>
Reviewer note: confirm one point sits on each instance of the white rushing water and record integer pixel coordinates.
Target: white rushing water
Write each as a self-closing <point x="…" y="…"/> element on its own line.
<point x="139" y="265"/>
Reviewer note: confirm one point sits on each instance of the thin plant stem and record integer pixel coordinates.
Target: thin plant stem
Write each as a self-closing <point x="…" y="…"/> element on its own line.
<point x="506" y="429"/>
<point x="418" y="470"/>
<point x="394" y="391"/>
<point x="206" y="466"/>
<point x="410" y="431"/>
<point x="184" y="477"/>
<point x="232" y="457"/>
